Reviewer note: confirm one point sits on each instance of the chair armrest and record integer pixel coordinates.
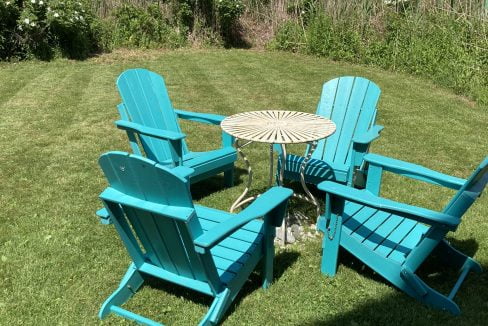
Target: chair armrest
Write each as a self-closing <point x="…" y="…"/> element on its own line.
<point x="415" y="171"/>
<point x="153" y="132"/>
<point x="364" y="197"/>
<point x="183" y="171"/>
<point x="368" y="136"/>
<point x="208" y="118"/>
<point x="263" y="205"/>
<point x="104" y="216"/>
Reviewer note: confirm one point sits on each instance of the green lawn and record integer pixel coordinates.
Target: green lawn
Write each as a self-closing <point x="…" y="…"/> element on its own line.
<point x="58" y="264"/>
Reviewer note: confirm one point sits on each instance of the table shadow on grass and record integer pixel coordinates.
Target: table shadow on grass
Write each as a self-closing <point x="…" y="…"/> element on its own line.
<point x="216" y="183"/>
<point x="283" y="260"/>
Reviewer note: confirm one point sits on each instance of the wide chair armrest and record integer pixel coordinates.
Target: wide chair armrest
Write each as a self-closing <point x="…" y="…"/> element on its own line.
<point x="148" y="131"/>
<point x="104" y="216"/>
<point x="263" y="205"/>
<point x="366" y="198"/>
<point x="368" y="136"/>
<point x="208" y="118"/>
<point x="414" y="171"/>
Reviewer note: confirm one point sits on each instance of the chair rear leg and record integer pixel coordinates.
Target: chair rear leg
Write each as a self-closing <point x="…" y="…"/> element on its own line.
<point x="229" y="177"/>
<point x="268" y="257"/>
<point x="457" y="259"/>
<point x="129" y="285"/>
<point x="415" y="287"/>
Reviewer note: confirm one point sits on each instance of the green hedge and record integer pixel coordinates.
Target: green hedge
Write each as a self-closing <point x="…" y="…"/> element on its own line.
<point x="452" y="52"/>
<point x="47" y="28"/>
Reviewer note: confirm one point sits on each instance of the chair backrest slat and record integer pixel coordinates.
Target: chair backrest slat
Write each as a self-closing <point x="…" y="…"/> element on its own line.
<point x="351" y="103"/>
<point x="166" y="241"/>
<point x="468" y="193"/>
<point x="459" y="204"/>
<point x="145" y="227"/>
<point x="147" y="102"/>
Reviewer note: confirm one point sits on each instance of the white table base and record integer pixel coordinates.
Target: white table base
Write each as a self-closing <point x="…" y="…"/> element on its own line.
<point x="241" y="200"/>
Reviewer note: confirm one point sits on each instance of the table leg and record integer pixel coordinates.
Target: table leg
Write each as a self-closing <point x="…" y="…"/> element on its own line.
<point x="280" y="183"/>
<point x="282" y="167"/>
<point x="239" y="201"/>
<point x="270" y="183"/>
<point x="310" y="197"/>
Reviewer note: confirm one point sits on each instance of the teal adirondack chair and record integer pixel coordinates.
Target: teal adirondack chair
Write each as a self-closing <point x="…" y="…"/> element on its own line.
<point x="170" y="238"/>
<point x="146" y="111"/>
<point x="350" y="102"/>
<point x="393" y="238"/>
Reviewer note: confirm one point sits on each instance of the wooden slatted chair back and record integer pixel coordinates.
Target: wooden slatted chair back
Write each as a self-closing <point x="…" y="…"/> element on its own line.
<point x="458" y="205"/>
<point x="153" y="213"/>
<point x="350" y="102"/>
<point x="146" y="101"/>
<point x="468" y="193"/>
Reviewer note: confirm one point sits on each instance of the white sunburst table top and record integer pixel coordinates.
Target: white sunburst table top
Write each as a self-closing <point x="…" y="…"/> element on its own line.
<point x="278" y="126"/>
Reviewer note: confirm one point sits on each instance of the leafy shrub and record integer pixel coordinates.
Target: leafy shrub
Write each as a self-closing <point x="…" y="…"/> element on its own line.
<point x="338" y="41"/>
<point x="9" y="12"/>
<point x="228" y="12"/>
<point x="172" y="23"/>
<point x="44" y="28"/>
<point x="452" y="52"/>
<point x="289" y="37"/>
<point x="145" y="27"/>
<point x="304" y="9"/>
<point x="446" y="50"/>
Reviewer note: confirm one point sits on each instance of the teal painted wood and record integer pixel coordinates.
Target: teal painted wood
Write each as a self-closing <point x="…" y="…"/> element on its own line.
<point x="393" y="238"/>
<point x="351" y="103"/>
<point x="168" y="237"/>
<point x="147" y="115"/>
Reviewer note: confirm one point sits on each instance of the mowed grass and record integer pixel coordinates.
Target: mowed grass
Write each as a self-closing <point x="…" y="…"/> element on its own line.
<point x="58" y="264"/>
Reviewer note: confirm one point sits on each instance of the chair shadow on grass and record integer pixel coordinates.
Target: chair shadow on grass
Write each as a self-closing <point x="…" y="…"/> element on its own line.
<point x="283" y="260"/>
<point x="208" y="186"/>
<point x="399" y="308"/>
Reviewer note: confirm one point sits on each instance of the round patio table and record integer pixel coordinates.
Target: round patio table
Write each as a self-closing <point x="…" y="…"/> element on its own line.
<point x="277" y="127"/>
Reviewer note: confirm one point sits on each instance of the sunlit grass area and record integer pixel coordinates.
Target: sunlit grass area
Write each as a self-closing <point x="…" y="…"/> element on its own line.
<point x="58" y="264"/>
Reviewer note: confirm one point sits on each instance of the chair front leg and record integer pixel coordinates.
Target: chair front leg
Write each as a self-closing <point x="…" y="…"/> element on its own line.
<point x="330" y="246"/>
<point x="268" y="254"/>
<point x="332" y="235"/>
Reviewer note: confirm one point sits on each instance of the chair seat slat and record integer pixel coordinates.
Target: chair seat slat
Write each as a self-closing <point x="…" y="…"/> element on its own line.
<point x="382" y="232"/>
<point x="370" y="226"/>
<point x="358" y="219"/>
<point x="390" y="242"/>
<point x="213" y="215"/>
<point x="408" y="243"/>
<point x="243" y="235"/>
<point x="350" y="210"/>
<point x="224" y="252"/>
